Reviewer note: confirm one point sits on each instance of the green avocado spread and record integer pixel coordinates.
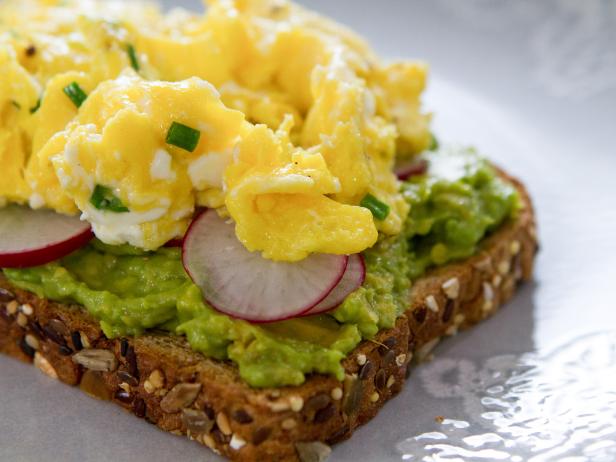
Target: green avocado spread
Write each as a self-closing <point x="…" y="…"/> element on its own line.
<point x="453" y="206"/>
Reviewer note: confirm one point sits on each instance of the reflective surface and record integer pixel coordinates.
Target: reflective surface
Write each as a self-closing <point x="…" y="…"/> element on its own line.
<point x="533" y="85"/>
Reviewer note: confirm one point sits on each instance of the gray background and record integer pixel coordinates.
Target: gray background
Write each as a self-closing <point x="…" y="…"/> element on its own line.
<point x="533" y="85"/>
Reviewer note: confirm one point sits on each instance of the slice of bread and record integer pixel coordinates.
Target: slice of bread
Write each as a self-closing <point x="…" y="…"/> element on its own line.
<point x="159" y="378"/>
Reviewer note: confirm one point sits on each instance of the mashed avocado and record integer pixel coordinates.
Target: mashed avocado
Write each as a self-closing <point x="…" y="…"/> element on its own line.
<point x="453" y="206"/>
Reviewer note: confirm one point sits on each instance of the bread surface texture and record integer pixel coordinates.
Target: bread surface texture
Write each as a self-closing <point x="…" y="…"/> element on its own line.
<point x="160" y="379"/>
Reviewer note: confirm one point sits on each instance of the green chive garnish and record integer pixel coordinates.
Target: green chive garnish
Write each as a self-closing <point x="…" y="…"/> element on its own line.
<point x="132" y="56"/>
<point x="433" y="143"/>
<point x="75" y="93"/>
<point x="379" y="209"/>
<point x="183" y="136"/>
<point x="36" y="106"/>
<point x="104" y="199"/>
<point x="16" y="104"/>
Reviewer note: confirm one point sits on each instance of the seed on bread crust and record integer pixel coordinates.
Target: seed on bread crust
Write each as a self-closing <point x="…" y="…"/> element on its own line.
<point x="96" y="360"/>
<point x="361" y="359"/>
<point x="94" y="385"/>
<point x="223" y="423"/>
<point x="32" y="341"/>
<point x="196" y="421"/>
<point x="22" y="320"/>
<point x="25" y="348"/>
<point x="432" y="304"/>
<point x="312" y="452"/>
<point x="236" y="442"/>
<point x="451" y="287"/>
<point x="129" y="379"/>
<point x="400" y="359"/>
<point x="288" y="424"/>
<point x="12" y="307"/>
<point x="336" y="394"/>
<point x="27" y="309"/>
<point x="296" y="402"/>
<point x="44" y="366"/>
<point x="179" y="397"/>
<point x="6" y="295"/>
<point x="365" y="370"/>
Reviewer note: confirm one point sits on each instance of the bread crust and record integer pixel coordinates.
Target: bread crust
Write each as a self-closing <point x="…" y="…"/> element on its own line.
<point x="159" y="378"/>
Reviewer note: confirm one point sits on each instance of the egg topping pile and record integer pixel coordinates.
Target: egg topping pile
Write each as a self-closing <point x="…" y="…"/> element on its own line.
<point x="279" y="118"/>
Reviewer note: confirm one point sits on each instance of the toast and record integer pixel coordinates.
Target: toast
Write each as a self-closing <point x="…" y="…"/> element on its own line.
<point x="159" y="378"/>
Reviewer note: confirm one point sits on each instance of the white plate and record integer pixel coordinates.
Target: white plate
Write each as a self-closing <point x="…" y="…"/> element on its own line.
<point x="533" y="85"/>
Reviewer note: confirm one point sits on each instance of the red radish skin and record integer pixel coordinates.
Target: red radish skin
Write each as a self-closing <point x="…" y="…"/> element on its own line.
<point x="244" y="285"/>
<point x="353" y="278"/>
<point x="175" y="243"/>
<point x="408" y="169"/>
<point x="35" y="237"/>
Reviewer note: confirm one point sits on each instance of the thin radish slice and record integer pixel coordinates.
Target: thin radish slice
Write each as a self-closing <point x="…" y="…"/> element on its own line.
<point x="35" y="237"/>
<point x="352" y="280"/>
<point x="247" y="286"/>
<point x="409" y="168"/>
<point x="177" y="242"/>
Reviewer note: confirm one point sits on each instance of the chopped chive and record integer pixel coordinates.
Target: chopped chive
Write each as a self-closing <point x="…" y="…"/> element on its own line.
<point x="75" y="93"/>
<point x="379" y="209"/>
<point x="433" y="143"/>
<point x="16" y="104"/>
<point x="132" y="56"/>
<point x="36" y="106"/>
<point x="183" y="136"/>
<point x="103" y="199"/>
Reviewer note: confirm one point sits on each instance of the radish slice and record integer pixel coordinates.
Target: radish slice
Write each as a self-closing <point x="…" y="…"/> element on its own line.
<point x="35" y="237"/>
<point x="177" y="242"/>
<point x="410" y="168"/>
<point x="247" y="286"/>
<point x="352" y="280"/>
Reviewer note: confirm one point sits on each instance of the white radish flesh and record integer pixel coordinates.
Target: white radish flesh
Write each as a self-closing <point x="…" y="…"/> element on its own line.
<point x="245" y="285"/>
<point x="35" y="237"/>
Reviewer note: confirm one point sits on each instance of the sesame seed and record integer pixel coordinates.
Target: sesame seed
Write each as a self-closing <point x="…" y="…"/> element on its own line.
<point x="27" y="309"/>
<point x="337" y="394"/>
<point x="514" y="247"/>
<point x="390" y="381"/>
<point x="296" y="402"/>
<point x="223" y="423"/>
<point x="289" y="424"/>
<point x="504" y="267"/>
<point x="32" y="341"/>
<point x="22" y="321"/>
<point x="488" y="292"/>
<point x="496" y="280"/>
<point x="431" y="303"/>
<point x="361" y="359"/>
<point x="400" y="359"/>
<point x="236" y="442"/>
<point x="374" y="397"/>
<point x="12" y="306"/>
<point x="451" y="287"/>
<point x="156" y="379"/>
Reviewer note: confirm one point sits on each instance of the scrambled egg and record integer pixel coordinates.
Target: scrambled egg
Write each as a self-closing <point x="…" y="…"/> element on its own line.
<point x="279" y="118"/>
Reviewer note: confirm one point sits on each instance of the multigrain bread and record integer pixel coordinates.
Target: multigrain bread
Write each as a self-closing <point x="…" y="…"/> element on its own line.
<point x="159" y="378"/>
